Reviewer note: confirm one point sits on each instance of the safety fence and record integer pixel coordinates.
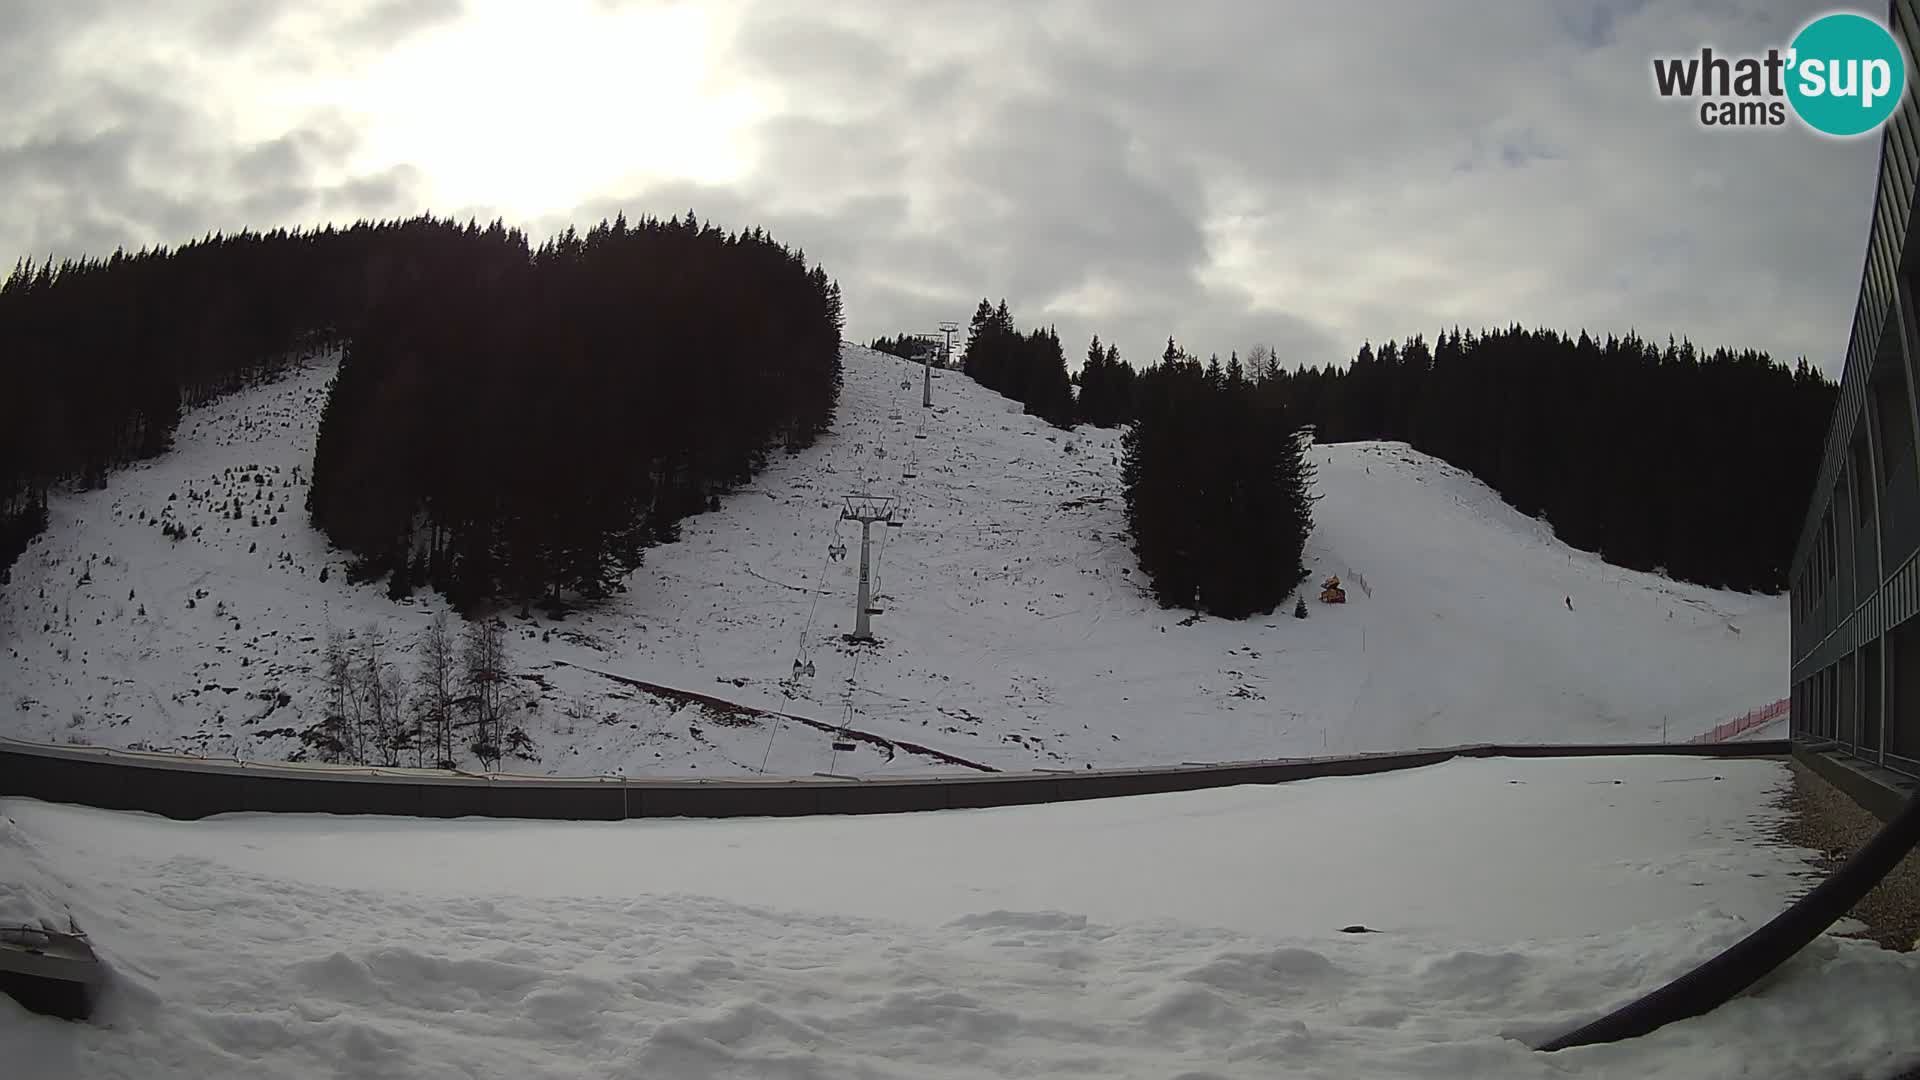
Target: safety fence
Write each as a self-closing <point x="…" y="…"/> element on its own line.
<point x="1740" y="724"/>
<point x="190" y="788"/>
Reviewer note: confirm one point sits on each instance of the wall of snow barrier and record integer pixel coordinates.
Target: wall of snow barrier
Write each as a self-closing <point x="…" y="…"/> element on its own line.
<point x="188" y="788"/>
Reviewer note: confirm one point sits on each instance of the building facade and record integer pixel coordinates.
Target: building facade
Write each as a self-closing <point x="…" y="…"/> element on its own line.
<point x="1855" y="578"/>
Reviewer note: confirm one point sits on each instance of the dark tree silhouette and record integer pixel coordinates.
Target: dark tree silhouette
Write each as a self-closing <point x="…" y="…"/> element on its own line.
<point x="1216" y="485"/>
<point x="1029" y="368"/>
<point x="505" y="421"/>
<point x="529" y="430"/>
<point x="1106" y="387"/>
<point x="906" y="348"/>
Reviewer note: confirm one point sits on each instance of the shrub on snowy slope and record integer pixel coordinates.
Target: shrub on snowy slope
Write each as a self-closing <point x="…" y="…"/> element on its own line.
<point x="527" y="431"/>
<point x="1216" y="490"/>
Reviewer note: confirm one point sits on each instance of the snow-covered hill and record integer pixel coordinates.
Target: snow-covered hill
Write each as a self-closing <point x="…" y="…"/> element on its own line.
<point x="1015" y="630"/>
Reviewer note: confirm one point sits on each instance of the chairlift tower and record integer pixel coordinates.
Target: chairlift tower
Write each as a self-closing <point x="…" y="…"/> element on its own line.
<point x="946" y="361"/>
<point x="866" y="509"/>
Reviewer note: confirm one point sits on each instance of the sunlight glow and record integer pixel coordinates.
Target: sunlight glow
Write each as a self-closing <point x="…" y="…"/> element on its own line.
<point x="535" y="109"/>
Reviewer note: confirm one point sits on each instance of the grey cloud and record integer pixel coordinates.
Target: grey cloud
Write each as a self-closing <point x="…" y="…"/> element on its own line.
<point x="1016" y="190"/>
<point x="292" y="155"/>
<point x="1225" y="171"/>
<point x="89" y="162"/>
<point x="27" y="24"/>
<point x="861" y="153"/>
<point x="269" y="206"/>
<point x="1057" y="198"/>
<point x="235" y="23"/>
<point x="799" y="48"/>
<point x="280" y="191"/>
<point x="30" y="31"/>
<point x="270" y="161"/>
<point x="151" y="170"/>
<point x="1592" y="23"/>
<point x="385" y="22"/>
<point x="65" y="161"/>
<point x="1392" y="170"/>
<point x="1030" y="192"/>
<point x="389" y="193"/>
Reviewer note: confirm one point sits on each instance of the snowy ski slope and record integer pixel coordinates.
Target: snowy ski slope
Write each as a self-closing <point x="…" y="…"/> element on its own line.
<point x="1015" y="630"/>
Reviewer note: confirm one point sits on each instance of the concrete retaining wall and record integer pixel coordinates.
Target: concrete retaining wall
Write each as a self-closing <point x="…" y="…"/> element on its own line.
<point x="1881" y="792"/>
<point x="188" y="788"/>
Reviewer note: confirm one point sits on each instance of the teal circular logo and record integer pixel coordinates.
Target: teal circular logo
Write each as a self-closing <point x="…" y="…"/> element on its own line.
<point x="1845" y="74"/>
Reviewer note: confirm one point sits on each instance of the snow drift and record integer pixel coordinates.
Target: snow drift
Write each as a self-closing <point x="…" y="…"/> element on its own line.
<point x="1196" y="935"/>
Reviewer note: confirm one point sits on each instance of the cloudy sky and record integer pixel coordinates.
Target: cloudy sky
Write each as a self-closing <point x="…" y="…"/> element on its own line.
<point x="1230" y="172"/>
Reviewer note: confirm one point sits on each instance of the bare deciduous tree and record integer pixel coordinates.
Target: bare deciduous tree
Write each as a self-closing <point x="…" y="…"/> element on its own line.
<point x="1263" y="362"/>
<point x="436" y="688"/>
<point x="483" y="671"/>
<point x="337" y="726"/>
<point x="380" y="737"/>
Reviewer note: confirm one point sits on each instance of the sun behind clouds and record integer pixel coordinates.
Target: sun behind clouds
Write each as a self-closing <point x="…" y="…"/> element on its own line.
<point x="534" y="109"/>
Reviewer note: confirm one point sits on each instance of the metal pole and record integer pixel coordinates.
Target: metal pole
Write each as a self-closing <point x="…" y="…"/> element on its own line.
<point x="866" y="509"/>
<point x="946" y="361"/>
<point x="862" y="629"/>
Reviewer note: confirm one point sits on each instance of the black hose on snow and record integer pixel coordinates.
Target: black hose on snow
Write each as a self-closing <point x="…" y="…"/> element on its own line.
<point x="1747" y="961"/>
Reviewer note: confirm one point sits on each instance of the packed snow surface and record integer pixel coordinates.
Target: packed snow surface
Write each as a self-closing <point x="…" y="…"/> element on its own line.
<point x="1015" y="630"/>
<point x="1184" y="935"/>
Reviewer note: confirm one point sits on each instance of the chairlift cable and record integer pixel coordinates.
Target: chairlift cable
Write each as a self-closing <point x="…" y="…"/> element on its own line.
<point x="876" y="551"/>
<point x="800" y="650"/>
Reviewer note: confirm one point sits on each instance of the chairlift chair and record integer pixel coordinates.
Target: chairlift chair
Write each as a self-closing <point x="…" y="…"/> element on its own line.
<point x="842" y="746"/>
